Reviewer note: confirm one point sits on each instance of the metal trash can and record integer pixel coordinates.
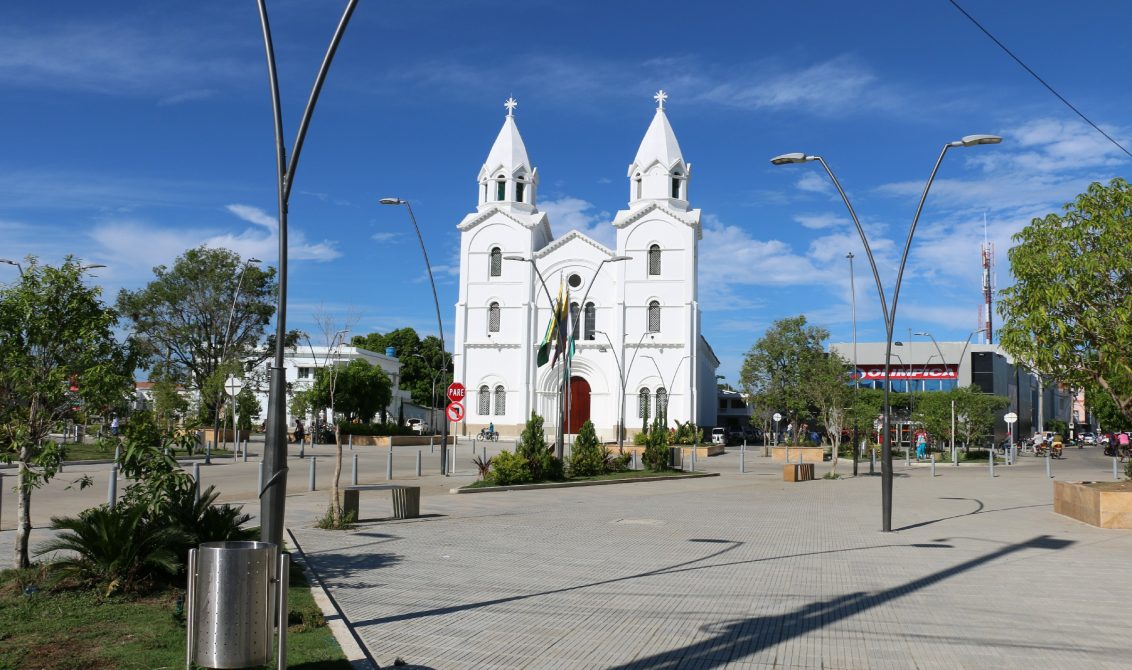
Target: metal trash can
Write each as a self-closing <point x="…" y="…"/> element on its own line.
<point x="232" y="593"/>
<point x="676" y="458"/>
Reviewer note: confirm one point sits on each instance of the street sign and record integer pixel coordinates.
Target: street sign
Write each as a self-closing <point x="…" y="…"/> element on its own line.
<point x="1010" y="417"/>
<point x="233" y="385"/>
<point x="455" y="412"/>
<point x="777" y="416"/>
<point x="456" y="393"/>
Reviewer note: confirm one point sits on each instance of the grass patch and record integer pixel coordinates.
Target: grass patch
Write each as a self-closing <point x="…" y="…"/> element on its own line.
<point x="94" y="452"/>
<point x="627" y="474"/>
<point x="61" y="628"/>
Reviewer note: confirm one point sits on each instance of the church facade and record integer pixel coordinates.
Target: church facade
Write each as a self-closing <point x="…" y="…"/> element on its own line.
<point x="638" y="353"/>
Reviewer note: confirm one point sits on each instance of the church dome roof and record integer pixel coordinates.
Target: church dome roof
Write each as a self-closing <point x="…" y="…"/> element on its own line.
<point x="659" y="143"/>
<point x="508" y="153"/>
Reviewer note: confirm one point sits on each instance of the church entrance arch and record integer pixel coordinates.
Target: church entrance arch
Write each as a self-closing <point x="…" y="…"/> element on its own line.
<point x="579" y="404"/>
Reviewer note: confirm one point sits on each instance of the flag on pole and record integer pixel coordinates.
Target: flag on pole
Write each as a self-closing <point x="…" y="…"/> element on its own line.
<point x="552" y="329"/>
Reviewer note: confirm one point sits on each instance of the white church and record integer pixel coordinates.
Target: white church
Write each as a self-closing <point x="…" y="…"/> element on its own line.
<point x="639" y="349"/>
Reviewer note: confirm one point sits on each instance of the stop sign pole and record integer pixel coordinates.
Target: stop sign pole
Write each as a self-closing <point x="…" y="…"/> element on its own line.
<point x="455" y="394"/>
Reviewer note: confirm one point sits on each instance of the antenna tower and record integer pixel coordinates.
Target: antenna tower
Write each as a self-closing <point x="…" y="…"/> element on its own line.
<point x="988" y="285"/>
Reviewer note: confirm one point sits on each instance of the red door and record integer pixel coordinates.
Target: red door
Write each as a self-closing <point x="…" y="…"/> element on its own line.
<point x="579" y="404"/>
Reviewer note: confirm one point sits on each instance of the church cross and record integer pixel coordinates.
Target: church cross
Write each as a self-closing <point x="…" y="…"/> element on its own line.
<point x="660" y="97"/>
<point x="511" y="104"/>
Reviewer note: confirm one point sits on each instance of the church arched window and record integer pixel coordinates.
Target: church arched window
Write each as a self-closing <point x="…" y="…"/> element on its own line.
<point x="662" y="402"/>
<point x="483" y="401"/>
<point x="654" y="260"/>
<point x="676" y="185"/>
<point x="643" y="404"/>
<point x="520" y="187"/>
<point x="637" y="185"/>
<point x="495" y="262"/>
<point x="575" y="312"/>
<point x="500" y="400"/>
<point x="500" y="188"/>
<point x="493" y="318"/>
<point x="654" y="316"/>
<point x="591" y="321"/>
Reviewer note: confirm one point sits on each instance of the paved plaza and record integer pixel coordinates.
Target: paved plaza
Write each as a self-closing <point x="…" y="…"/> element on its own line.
<point x="733" y="571"/>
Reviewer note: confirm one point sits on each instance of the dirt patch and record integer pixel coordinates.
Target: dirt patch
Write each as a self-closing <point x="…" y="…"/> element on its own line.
<point x="1125" y="486"/>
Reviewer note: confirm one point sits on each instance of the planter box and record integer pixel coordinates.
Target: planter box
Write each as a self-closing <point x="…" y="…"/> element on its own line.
<point x="798" y="472"/>
<point x="808" y="454"/>
<point x="1101" y="504"/>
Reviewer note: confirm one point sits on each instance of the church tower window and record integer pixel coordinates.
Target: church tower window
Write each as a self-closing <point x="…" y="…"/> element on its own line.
<point x="500" y="189"/>
<point x="591" y="321"/>
<point x="654" y="316"/>
<point x="500" y="400"/>
<point x="643" y="404"/>
<point x="654" y="260"/>
<point x="519" y="188"/>
<point x="637" y="183"/>
<point x="483" y="401"/>
<point x="495" y="262"/>
<point x="676" y="187"/>
<point x="493" y="318"/>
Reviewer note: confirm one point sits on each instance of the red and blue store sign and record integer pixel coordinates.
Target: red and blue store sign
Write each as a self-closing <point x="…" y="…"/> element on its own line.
<point x="902" y="372"/>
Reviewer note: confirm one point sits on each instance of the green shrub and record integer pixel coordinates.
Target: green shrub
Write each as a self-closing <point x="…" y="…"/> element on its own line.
<point x="641" y="439"/>
<point x="587" y="457"/>
<point x="532" y="446"/>
<point x="617" y="462"/>
<point x="686" y="433"/>
<point x="508" y="469"/>
<point x="656" y="448"/>
<point x="117" y="549"/>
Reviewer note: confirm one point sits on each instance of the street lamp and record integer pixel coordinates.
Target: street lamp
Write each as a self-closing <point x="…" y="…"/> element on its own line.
<point x="889" y="314"/>
<point x="621" y="405"/>
<point x="11" y="262"/>
<point x="273" y="495"/>
<point x="439" y="324"/>
<point x="856" y="370"/>
<point x="224" y="346"/>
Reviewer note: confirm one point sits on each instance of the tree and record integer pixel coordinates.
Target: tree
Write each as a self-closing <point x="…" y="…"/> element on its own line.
<point x="828" y="389"/>
<point x="1069" y="311"/>
<point x="425" y="367"/>
<point x="57" y="351"/>
<point x="776" y="371"/>
<point x="169" y="405"/>
<point x="975" y="413"/>
<point x="361" y="390"/>
<point x="182" y="318"/>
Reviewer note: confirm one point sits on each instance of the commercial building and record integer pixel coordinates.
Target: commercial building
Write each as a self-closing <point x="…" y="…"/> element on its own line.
<point x="925" y="365"/>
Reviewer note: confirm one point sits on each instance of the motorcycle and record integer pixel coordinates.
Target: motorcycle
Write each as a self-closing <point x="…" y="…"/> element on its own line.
<point x="486" y="434"/>
<point x="1040" y="448"/>
<point x="1055" y="449"/>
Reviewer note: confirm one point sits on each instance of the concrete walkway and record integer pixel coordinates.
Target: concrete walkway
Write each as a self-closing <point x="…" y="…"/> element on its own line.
<point x="742" y="571"/>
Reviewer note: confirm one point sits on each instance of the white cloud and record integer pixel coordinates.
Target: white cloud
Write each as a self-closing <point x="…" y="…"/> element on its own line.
<point x="568" y="213"/>
<point x="814" y="183"/>
<point x="820" y="221"/>
<point x="384" y="236"/>
<point x="254" y="215"/>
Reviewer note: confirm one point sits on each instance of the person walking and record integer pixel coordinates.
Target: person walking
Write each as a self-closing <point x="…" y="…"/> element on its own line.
<point x="299" y="432"/>
<point x="921" y="445"/>
<point x="114" y="426"/>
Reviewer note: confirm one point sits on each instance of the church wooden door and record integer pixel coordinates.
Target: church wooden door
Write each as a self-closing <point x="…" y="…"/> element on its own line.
<point x="579" y="404"/>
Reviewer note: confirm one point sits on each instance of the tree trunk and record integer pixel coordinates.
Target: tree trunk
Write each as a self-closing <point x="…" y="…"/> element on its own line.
<point x="23" y="513"/>
<point x="335" y="497"/>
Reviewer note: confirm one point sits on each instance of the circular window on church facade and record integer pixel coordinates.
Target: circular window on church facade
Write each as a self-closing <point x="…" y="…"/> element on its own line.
<point x="575" y="281"/>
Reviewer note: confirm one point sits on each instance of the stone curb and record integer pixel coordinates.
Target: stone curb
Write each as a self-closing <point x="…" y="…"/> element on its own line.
<point x="352" y="646"/>
<point x="567" y="485"/>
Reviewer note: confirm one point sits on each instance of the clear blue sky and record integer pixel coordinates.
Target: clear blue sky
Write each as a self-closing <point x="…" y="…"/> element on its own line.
<point x="135" y="130"/>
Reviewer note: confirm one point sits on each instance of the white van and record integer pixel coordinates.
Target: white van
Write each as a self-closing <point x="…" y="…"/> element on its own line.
<point x="718" y="436"/>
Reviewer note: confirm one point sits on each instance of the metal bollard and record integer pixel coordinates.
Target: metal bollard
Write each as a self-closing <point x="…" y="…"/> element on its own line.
<point x="452" y="460"/>
<point x="310" y="482"/>
<point x="907" y="457"/>
<point x="350" y="441"/>
<point x="259" y="487"/>
<point x="1114" y="473"/>
<point x="354" y="471"/>
<point x="787" y="453"/>
<point x="933" y="466"/>
<point x="431" y="446"/>
<point x="743" y="458"/>
<point x="418" y="462"/>
<point x="693" y="458"/>
<point x="196" y="481"/>
<point x="1048" y="473"/>
<point x="389" y="465"/>
<point x="633" y="460"/>
<point x="117" y="453"/>
<point x="991" y="461"/>
<point x="872" y="461"/>
<point x="245" y="451"/>
<point x="112" y="487"/>
<point x="208" y="453"/>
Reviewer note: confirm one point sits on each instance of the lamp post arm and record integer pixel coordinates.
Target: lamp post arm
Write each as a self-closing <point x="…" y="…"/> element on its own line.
<point x="297" y="147"/>
<point x="861" y="232"/>
<point x="428" y="266"/>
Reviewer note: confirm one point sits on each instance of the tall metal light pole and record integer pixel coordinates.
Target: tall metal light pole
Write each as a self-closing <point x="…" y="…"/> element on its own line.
<point x="224" y="347"/>
<point x="558" y="447"/>
<point x="582" y="313"/>
<point x="856" y="370"/>
<point x="889" y="314"/>
<point x="621" y="405"/>
<point x="274" y="493"/>
<point x="439" y="323"/>
<point x="8" y="261"/>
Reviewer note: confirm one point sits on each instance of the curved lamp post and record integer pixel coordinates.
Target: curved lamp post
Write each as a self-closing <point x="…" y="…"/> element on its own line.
<point x="273" y="496"/>
<point x="668" y="389"/>
<point x="224" y="347"/>
<point x="889" y="312"/>
<point x="439" y="323"/>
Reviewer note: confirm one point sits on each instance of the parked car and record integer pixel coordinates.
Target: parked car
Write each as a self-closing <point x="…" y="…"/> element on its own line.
<point x="417" y="425"/>
<point x="718" y="436"/>
<point x="1089" y="438"/>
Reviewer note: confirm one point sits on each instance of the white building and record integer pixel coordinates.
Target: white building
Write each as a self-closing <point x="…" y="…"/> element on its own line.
<point x="300" y="363"/>
<point x="641" y="315"/>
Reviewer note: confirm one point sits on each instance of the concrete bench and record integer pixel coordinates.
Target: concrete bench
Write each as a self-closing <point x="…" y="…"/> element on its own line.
<point x="406" y="499"/>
